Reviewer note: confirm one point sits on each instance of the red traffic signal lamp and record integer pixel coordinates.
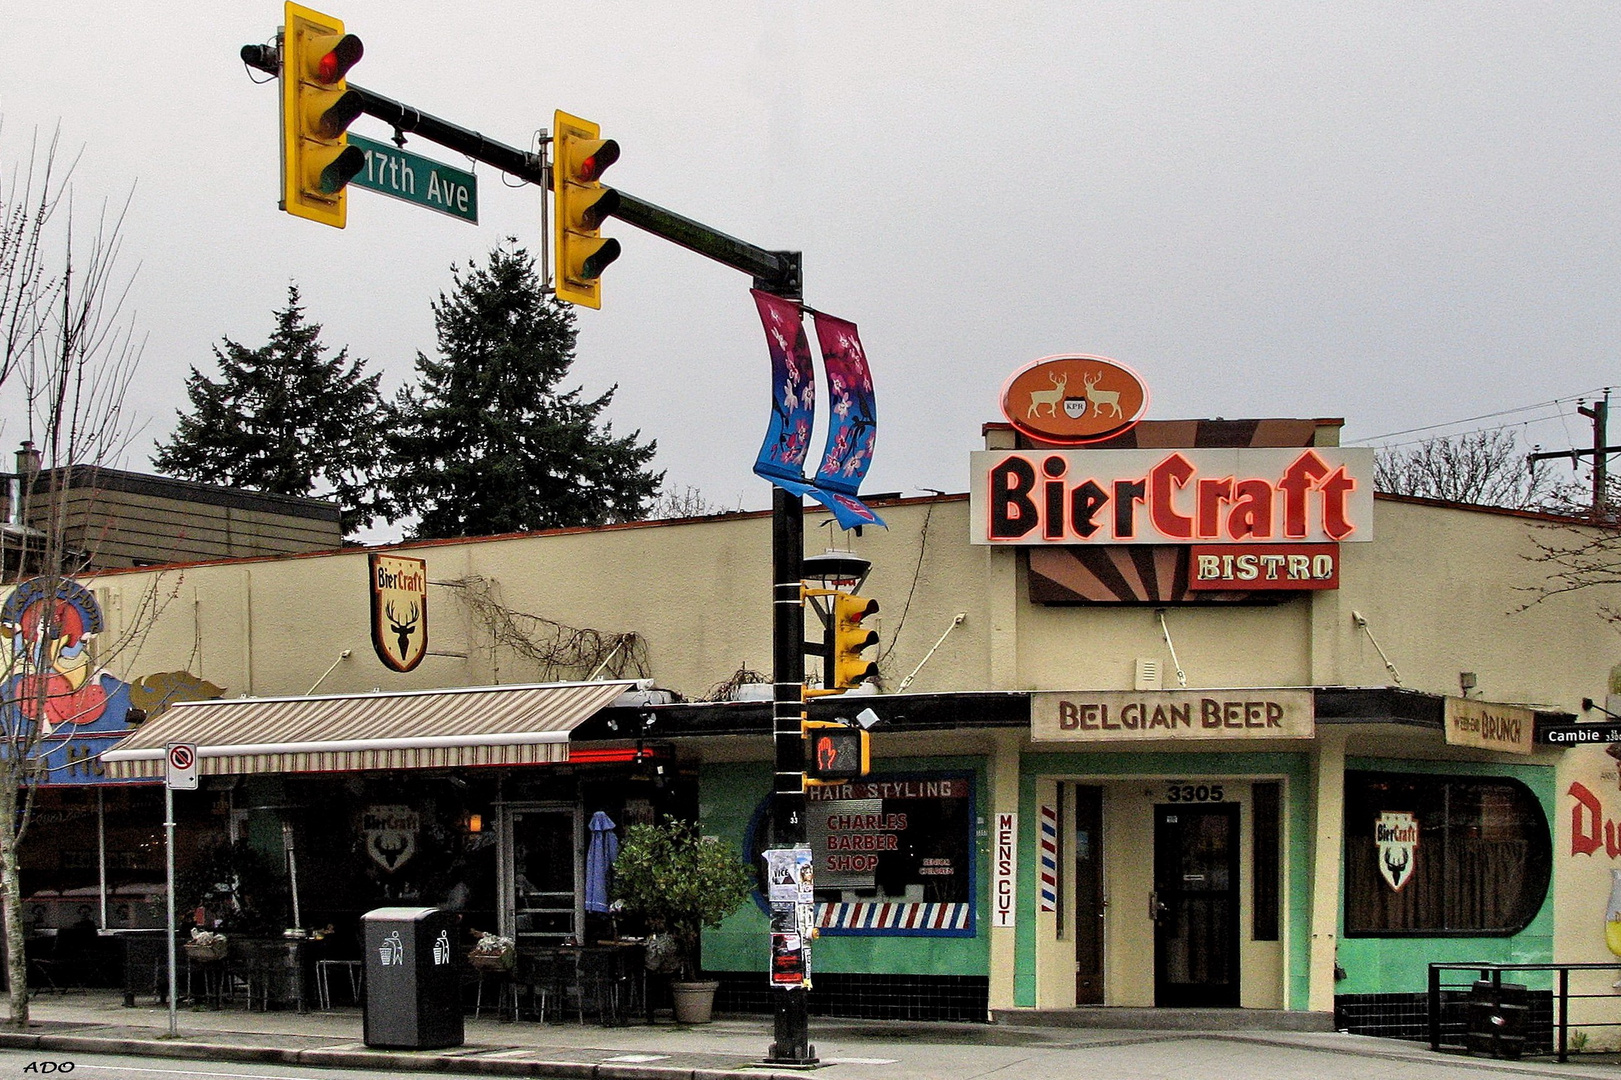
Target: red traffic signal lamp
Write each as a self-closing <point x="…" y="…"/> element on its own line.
<point x="317" y="108"/>
<point x="835" y="752"/>
<point x="582" y="204"/>
<point x="851" y="639"/>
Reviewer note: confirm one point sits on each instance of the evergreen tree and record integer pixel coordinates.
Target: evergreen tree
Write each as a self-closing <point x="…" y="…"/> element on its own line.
<point x="485" y="442"/>
<point x="285" y="419"/>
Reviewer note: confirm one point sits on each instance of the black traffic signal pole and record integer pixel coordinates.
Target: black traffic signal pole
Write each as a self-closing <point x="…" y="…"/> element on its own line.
<point x="776" y="272"/>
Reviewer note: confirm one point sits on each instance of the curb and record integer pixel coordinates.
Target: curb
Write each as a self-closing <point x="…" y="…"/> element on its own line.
<point x="376" y="1059"/>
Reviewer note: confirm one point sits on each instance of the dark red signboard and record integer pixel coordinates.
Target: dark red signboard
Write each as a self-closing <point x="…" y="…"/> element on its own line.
<point x="1263" y="566"/>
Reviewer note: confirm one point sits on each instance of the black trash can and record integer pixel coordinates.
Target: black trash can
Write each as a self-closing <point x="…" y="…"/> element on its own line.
<point x="1497" y="1019"/>
<point x="413" y="988"/>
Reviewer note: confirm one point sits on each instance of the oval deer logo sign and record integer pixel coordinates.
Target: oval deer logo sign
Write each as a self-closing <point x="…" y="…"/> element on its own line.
<point x="1074" y="399"/>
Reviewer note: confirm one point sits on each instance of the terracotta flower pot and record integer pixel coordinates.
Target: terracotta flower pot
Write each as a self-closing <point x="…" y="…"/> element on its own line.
<point x="693" y="1002"/>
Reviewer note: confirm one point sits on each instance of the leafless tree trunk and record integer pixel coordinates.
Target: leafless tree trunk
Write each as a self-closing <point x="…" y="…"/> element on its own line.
<point x="70" y="354"/>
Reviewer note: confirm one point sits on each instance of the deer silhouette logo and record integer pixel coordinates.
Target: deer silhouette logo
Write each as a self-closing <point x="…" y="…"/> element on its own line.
<point x="403" y="629"/>
<point x="1395" y="833"/>
<point x="1049" y="398"/>
<point x="1101" y="399"/>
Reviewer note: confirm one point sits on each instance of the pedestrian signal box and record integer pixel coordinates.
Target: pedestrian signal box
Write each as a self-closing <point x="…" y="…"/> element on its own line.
<point x="835" y="752"/>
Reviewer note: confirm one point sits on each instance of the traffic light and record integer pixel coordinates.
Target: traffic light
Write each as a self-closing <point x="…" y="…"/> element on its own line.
<point x="835" y="752"/>
<point x="582" y="204"/>
<point x="317" y="108"/>
<point x="850" y="639"/>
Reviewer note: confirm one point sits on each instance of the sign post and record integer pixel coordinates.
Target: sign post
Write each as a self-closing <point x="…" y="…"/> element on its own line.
<point x="180" y="771"/>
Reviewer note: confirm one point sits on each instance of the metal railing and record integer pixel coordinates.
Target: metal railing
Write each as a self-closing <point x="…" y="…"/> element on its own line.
<point x="1493" y="973"/>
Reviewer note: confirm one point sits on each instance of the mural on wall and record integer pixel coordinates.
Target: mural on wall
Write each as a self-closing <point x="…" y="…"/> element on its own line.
<point x="1592" y="831"/>
<point x="47" y="625"/>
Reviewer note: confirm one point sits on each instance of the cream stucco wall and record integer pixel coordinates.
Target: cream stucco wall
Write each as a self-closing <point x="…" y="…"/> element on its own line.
<point x="697" y="594"/>
<point x="1440" y="590"/>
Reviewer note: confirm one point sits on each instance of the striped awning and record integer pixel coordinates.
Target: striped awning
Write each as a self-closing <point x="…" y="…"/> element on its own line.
<point x="428" y="729"/>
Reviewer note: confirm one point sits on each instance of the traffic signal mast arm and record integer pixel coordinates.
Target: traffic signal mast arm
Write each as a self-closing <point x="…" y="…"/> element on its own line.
<point x="774" y="271"/>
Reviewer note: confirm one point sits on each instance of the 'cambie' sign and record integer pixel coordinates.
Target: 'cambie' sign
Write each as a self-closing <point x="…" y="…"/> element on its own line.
<point x="1247" y="495"/>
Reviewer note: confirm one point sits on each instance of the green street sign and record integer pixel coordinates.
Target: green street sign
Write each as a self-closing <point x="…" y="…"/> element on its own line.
<point x="417" y="180"/>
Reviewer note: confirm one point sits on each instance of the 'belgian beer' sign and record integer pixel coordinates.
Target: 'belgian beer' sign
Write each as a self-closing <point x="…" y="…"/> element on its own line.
<point x="1117" y="716"/>
<point x="1244" y="495"/>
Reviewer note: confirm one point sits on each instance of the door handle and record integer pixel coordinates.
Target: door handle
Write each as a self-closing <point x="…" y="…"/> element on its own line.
<point x="1155" y="908"/>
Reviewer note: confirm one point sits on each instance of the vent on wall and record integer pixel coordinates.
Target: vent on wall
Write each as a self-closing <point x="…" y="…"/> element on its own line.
<point x="1148" y="674"/>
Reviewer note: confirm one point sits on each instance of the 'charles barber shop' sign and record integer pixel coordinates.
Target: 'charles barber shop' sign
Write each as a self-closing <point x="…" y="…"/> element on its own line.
<point x="1134" y="716"/>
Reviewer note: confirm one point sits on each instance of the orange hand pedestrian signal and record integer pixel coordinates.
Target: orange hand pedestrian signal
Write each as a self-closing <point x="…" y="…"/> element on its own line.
<point x="837" y="752"/>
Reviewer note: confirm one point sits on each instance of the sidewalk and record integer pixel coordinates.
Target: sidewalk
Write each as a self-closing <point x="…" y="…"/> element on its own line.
<point x="732" y="1048"/>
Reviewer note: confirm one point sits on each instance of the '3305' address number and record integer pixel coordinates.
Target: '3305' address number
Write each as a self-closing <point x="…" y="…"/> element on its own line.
<point x="1193" y="793"/>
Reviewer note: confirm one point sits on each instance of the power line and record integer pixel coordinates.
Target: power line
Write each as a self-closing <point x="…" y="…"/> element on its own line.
<point x="1484" y="416"/>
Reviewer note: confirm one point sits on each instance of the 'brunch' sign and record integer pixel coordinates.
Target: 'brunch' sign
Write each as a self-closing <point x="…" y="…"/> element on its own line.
<point x="1128" y="716"/>
<point x="1489" y="726"/>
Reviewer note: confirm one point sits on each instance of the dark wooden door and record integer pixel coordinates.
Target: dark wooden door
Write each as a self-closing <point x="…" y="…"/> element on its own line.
<point x="1088" y="895"/>
<point x="1196" y="905"/>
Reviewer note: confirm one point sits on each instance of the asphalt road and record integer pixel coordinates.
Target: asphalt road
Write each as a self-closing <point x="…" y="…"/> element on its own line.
<point x="1156" y="1058"/>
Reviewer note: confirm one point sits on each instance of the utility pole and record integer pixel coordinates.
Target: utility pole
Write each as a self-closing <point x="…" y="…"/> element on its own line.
<point x="779" y="273"/>
<point x="1599" y="414"/>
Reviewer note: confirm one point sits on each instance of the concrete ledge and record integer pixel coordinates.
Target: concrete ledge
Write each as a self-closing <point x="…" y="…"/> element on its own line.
<point x="1117" y="1018"/>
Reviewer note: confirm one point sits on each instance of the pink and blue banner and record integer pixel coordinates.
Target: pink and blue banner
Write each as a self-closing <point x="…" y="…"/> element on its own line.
<point x="852" y="423"/>
<point x="793" y="394"/>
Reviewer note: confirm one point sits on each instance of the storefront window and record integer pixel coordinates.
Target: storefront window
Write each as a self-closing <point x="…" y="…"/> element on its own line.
<point x="894" y="854"/>
<point x="1265" y="796"/>
<point x="1448" y="855"/>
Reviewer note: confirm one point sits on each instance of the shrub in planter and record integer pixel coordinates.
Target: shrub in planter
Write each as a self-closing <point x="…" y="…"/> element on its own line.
<point x="668" y="873"/>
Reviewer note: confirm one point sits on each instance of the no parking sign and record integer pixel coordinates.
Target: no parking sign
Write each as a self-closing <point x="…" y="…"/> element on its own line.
<point x="181" y="774"/>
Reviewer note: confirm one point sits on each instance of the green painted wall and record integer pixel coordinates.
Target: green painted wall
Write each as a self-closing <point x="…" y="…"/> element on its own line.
<point x="731" y="793"/>
<point x="728" y="797"/>
<point x="1297" y="870"/>
<point x="1397" y="965"/>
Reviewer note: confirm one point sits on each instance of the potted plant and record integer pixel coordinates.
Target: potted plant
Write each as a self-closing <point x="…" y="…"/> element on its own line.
<point x="493" y="953"/>
<point x="682" y="882"/>
<point x="206" y="946"/>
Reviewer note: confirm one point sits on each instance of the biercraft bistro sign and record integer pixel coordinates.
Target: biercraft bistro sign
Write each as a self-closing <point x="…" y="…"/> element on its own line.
<point x="1116" y="716"/>
<point x="1206" y="495"/>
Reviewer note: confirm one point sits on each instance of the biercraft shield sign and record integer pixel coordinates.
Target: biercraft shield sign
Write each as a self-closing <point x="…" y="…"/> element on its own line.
<point x="391" y="835"/>
<point x="399" y="610"/>
<point x="1396" y="833"/>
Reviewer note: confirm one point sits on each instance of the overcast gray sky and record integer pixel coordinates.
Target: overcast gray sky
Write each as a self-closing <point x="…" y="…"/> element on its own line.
<point x="1399" y="213"/>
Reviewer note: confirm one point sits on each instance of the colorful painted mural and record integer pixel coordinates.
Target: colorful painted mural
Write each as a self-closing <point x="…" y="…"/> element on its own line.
<point x="51" y="686"/>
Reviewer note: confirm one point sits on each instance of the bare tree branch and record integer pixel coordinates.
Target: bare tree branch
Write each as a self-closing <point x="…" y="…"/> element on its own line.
<point x="1482" y="468"/>
<point x="70" y="354"/>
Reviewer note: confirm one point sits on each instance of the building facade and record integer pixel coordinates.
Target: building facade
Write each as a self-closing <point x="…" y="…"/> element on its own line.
<point x="1103" y="786"/>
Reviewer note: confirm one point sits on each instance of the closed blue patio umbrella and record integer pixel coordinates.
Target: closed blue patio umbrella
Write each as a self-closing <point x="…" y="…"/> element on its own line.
<point x="599" y="860"/>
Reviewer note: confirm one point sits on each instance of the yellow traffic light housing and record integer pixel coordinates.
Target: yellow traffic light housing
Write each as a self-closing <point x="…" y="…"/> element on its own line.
<point x="317" y="108"/>
<point x="850" y="639"/>
<point x="835" y="752"/>
<point x="582" y="204"/>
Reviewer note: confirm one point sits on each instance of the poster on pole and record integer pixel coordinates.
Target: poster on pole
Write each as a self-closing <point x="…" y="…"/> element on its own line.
<point x="789" y="875"/>
<point x="181" y="762"/>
